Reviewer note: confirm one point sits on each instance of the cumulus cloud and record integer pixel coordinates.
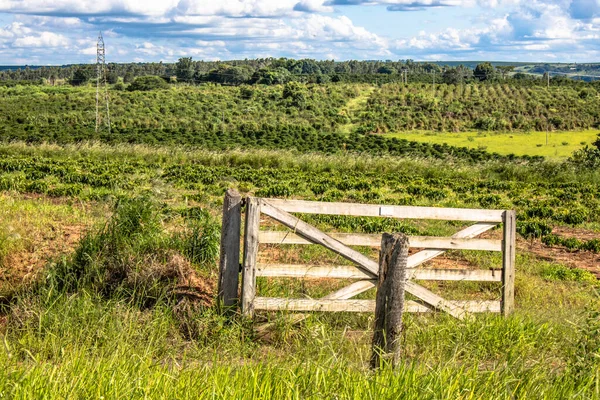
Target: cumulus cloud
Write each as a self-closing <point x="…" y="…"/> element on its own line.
<point x="44" y="39"/>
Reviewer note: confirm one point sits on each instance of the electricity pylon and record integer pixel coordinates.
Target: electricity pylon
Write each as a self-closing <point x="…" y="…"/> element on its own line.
<point x="101" y="84"/>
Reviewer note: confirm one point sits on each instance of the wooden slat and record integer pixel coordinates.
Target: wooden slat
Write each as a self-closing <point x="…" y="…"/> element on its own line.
<point x="374" y="210"/>
<point x="311" y="271"/>
<point x="477" y="275"/>
<point x="277" y="304"/>
<point x="250" y="254"/>
<point x="351" y="290"/>
<point x="351" y="272"/>
<point x="374" y="240"/>
<point x="229" y="260"/>
<point x="415" y="260"/>
<point x="508" y="263"/>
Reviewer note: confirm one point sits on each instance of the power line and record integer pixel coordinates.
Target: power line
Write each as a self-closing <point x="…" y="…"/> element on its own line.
<point x="101" y="85"/>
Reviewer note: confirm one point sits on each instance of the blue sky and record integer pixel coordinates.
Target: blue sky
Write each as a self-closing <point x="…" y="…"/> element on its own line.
<point x="65" y="31"/>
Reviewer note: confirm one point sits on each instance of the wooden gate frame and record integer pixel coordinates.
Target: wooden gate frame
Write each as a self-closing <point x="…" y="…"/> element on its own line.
<point x="367" y="269"/>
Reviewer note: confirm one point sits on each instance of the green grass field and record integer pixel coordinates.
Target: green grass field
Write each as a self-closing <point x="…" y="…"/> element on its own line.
<point x="102" y="318"/>
<point x="560" y="144"/>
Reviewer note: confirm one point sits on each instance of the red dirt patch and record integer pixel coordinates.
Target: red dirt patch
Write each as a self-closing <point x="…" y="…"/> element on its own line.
<point x="21" y="266"/>
<point x="579" y="233"/>
<point x="575" y="259"/>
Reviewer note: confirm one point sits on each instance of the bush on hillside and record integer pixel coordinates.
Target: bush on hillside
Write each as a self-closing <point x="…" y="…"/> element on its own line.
<point x="145" y="83"/>
<point x="588" y="157"/>
<point x="134" y="256"/>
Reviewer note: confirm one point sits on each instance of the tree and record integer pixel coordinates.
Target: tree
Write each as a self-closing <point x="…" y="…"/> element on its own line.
<point x="128" y="78"/>
<point x="112" y="77"/>
<point x="146" y="83"/>
<point x="456" y="75"/>
<point x="228" y="75"/>
<point x="184" y="69"/>
<point x="81" y="76"/>
<point x="295" y="93"/>
<point x="588" y="157"/>
<point x="267" y="76"/>
<point x="505" y="70"/>
<point x="386" y="69"/>
<point x="484" y="71"/>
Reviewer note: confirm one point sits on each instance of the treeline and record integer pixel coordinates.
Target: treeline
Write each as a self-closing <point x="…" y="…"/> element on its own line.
<point x="281" y="70"/>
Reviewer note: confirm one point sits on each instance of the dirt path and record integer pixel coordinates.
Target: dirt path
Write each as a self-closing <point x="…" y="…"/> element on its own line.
<point x="352" y="107"/>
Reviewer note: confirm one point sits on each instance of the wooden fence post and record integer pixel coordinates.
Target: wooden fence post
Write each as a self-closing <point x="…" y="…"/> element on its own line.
<point x="229" y="262"/>
<point x="389" y="304"/>
<point x="508" y="262"/>
<point x="250" y="254"/>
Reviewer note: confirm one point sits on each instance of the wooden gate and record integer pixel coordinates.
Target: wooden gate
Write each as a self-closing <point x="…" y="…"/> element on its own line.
<point x="365" y="270"/>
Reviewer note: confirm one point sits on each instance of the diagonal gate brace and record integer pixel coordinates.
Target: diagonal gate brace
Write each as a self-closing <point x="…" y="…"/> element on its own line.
<point x="366" y="264"/>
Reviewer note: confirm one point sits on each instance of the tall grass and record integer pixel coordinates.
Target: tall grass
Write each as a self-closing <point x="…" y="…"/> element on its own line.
<point x="83" y="346"/>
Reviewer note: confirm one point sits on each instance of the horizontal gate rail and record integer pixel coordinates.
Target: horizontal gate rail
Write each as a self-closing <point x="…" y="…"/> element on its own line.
<point x="374" y="240"/>
<point x="283" y="304"/>
<point x="351" y="272"/>
<point x="374" y="210"/>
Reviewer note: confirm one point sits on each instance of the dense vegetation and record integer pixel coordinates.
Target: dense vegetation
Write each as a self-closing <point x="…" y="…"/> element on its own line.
<point x="545" y="195"/>
<point x="497" y="107"/>
<point x="330" y="118"/>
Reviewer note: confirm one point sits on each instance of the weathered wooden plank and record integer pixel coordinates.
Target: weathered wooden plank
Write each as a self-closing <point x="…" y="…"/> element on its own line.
<point x="352" y="272"/>
<point x="435" y="300"/>
<point x="477" y="275"/>
<point x="314" y="235"/>
<point x="311" y="271"/>
<point x="351" y="290"/>
<point x="229" y="261"/>
<point x="374" y="210"/>
<point x="415" y="260"/>
<point x="508" y="262"/>
<point x="389" y="302"/>
<point x="374" y="240"/>
<point x="332" y="305"/>
<point x="250" y="253"/>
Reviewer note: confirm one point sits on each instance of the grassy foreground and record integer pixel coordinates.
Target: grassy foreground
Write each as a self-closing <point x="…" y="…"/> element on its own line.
<point x="560" y="144"/>
<point x="111" y="316"/>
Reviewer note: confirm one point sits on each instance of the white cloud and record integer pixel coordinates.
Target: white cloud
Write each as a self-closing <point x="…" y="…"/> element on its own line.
<point x="88" y="7"/>
<point x="44" y="39"/>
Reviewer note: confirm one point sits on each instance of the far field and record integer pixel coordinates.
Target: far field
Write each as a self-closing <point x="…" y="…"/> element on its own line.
<point x="561" y="144"/>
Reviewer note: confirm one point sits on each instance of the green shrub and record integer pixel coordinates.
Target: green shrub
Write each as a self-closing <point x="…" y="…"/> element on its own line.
<point x="533" y="229"/>
<point x="146" y="83"/>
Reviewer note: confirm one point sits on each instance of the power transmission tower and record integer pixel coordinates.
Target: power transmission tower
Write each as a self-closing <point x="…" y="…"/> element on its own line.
<point x="101" y="84"/>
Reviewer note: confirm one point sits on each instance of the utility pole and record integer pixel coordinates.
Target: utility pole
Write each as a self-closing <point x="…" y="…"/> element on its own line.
<point x="433" y="87"/>
<point x="548" y="77"/>
<point x="101" y="83"/>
